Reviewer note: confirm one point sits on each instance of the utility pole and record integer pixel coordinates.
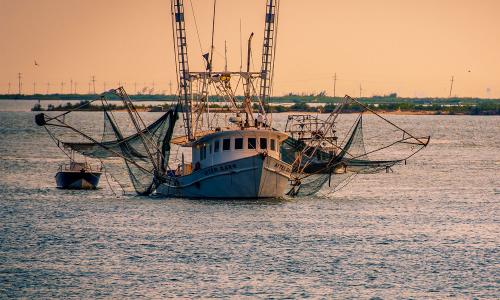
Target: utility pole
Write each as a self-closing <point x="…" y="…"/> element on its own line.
<point x="93" y="83"/>
<point x="20" y="83"/>
<point x="334" y="84"/>
<point x="451" y="86"/>
<point x="225" y="56"/>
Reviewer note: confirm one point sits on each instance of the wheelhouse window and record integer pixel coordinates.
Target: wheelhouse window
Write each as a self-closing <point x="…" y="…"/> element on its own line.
<point x="226" y="144"/>
<point x="203" y="152"/>
<point x="252" y="143"/>
<point x="273" y="145"/>
<point x="238" y="143"/>
<point x="263" y="143"/>
<point x="216" y="146"/>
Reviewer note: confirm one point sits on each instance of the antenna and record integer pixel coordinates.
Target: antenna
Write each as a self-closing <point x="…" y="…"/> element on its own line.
<point x="334" y="84"/>
<point x="451" y="86"/>
<point x="213" y="34"/>
<point x="93" y="83"/>
<point x="20" y="83"/>
<point x="241" y="49"/>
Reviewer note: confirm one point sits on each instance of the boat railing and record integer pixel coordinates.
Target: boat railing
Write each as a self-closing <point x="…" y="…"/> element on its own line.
<point x="80" y="167"/>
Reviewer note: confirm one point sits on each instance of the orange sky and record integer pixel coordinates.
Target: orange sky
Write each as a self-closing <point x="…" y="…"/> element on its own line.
<point x="409" y="47"/>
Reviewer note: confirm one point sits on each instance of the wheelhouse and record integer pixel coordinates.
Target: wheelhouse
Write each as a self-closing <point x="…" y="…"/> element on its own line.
<point x="224" y="146"/>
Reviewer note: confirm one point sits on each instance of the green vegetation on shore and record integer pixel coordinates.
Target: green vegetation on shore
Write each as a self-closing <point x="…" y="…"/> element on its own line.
<point x="305" y="103"/>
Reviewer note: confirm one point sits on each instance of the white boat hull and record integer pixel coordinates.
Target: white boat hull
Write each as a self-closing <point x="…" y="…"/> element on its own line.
<point x="258" y="176"/>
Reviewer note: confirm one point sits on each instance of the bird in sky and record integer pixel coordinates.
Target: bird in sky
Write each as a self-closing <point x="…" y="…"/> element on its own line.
<point x="36" y="64"/>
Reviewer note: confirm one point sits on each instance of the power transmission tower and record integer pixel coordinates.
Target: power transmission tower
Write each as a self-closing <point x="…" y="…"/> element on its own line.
<point x="93" y="83"/>
<point x="225" y="56"/>
<point x="20" y="83"/>
<point x="451" y="86"/>
<point x="334" y="84"/>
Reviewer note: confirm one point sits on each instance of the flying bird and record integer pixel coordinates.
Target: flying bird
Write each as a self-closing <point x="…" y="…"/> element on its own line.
<point x="36" y="64"/>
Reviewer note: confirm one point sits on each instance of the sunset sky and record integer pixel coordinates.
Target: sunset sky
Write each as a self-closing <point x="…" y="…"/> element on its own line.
<point x="409" y="47"/>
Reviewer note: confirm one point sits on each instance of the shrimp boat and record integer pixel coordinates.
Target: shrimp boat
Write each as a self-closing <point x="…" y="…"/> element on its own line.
<point x="238" y="158"/>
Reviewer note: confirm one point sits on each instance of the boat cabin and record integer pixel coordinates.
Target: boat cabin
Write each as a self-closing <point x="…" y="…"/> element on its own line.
<point x="225" y="146"/>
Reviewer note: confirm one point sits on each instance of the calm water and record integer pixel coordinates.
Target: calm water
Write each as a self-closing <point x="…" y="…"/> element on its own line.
<point x="428" y="230"/>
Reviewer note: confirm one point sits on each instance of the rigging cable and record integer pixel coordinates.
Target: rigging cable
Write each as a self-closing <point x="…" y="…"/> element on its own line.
<point x="196" y="26"/>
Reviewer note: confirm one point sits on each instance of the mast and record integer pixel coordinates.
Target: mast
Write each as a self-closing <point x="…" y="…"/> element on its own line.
<point x="183" y="65"/>
<point x="269" y="47"/>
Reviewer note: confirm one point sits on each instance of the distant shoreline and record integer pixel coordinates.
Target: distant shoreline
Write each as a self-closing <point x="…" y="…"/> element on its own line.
<point x="389" y="104"/>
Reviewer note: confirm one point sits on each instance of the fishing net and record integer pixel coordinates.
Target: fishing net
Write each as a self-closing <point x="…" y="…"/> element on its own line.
<point x="143" y="154"/>
<point x="388" y="146"/>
